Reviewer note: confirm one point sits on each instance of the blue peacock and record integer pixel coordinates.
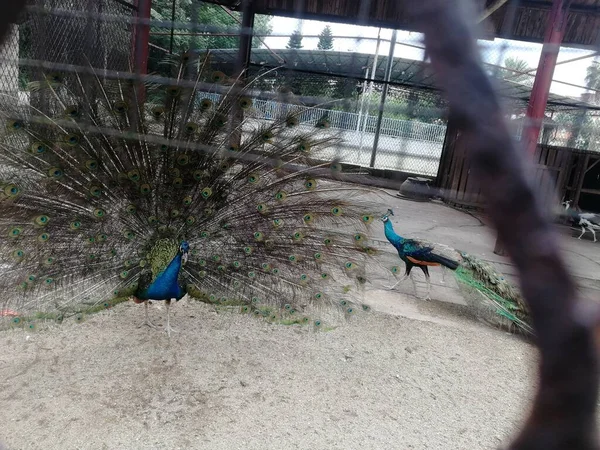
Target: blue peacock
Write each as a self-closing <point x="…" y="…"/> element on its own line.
<point x="487" y="292"/>
<point x="109" y="190"/>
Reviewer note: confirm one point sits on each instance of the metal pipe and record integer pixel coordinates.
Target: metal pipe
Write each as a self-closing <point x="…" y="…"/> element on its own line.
<point x="373" y="71"/>
<point x="555" y="31"/>
<point x="386" y="86"/>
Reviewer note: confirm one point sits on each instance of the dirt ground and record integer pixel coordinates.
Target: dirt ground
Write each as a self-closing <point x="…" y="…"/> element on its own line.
<point x="432" y="380"/>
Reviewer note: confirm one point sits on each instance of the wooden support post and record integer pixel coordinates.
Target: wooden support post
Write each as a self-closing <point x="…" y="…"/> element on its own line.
<point x="141" y="47"/>
<point x="555" y="31"/>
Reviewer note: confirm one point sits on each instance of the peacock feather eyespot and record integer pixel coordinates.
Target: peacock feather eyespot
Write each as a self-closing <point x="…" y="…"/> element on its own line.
<point x="131" y="209"/>
<point x="178" y="182"/>
<point x="206" y="104"/>
<point x="253" y="178"/>
<point x="99" y="213"/>
<point x="41" y="220"/>
<point x="72" y="139"/>
<point x="128" y="234"/>
<point x="245" y="102"/>
<point x="15" y="232"/>
<point x="145" y="189"/>
<point x="328" y="241"/>
<point x="349" y="265"/>
<point x="164" y="148"/>
<point x="324" y="276"/>
<point x="359" y="238"/>
<point x="120" y="107"/>
<point x="220" y="120"/>
<point x="38" y="148"/>
<point x="157" y="112"/>
<point x="303" y="277"/>
<point x="251" y="274"/>
<point x="173" y="91"/>
<point x="310" y="184"/>
<point x="11" y="190"/>
<point x="54" y="78"/>
<point x="281" y="195"/>
<point x="91" y="164"/>
<point x="236" y="264"/>
<point x="336" y="167"/>
<point x="218" y="77"/>
<point x="262" y="208"/>
<point x="18" y="254"/>
<point x="292" y="121"/>
<point x="202" y="262"/>
<point x="187" y="201"/>
<point x="233" y="148"/>
<point x="43" y="237"/>
<point x="266" y="266"/>
<point x="55" y="172"/>
<point x="191" y="220"/>
<point x="95" y="191"/>
<point x="267" y="136"/>
<point x="204" y="234"/>
<point x="318" y="256"/>
<point x="31" y="278"/>
<point x="226" y="226"/>
<point x="91" y="256"/>
<point x="367" y="219"/>
<point x="298" y="236"/>
<point x="318" y="295"/>
<point x="75" y="225"/>
<point x="308" y="218"/>
<point x="216" y="258"/>
<point x="259" y="236"/>
<point x="175" y="213"/>
<point x="191" y="127"/>
<point x="48" y="281"/>
<point x="152" y="220"/>
<point x="15" y="124"/>
<point x="248" y="250"/>
<point x="292" y="258"/>
<point x="124" y="274"/>
<point x="90" y="240"/>
<point x="275" y="271"/>
<point x="337" y="211"/>
<point x="183" y="160"/>
<point x="277" y="223"/>
<point x="72" y="111"/>
<point x="128" y="263"/>
<point x="49" y="261"/>
<point x="202" y="273"/>
<point x="206" y="192"/>
<point x="304" y="147"/>
<point x="221" y="268"/>
<point x="102" y="238"/>
<point x="134" y="175"/>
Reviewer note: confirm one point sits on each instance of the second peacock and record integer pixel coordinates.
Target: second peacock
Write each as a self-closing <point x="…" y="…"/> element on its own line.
<point x="104" y="196"/>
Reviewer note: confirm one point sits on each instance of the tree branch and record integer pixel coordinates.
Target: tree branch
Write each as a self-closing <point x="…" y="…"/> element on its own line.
<point x="564" y="411"/>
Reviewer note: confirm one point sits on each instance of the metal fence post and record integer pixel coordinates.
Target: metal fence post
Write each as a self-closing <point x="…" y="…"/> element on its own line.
<point x="386" y="86"/>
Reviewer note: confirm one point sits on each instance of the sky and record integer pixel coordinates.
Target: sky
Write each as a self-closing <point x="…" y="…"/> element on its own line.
<point x="494" y="52"/>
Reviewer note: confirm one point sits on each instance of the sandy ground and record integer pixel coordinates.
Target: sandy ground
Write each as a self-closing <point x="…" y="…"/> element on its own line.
<point x="434" y="380"/>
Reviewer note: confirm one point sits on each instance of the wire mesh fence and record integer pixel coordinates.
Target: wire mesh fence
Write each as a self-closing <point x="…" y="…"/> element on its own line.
<point x="405" y="132"/>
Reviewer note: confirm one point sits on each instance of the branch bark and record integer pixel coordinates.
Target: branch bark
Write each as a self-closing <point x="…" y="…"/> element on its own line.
<point x="564" y="411"/>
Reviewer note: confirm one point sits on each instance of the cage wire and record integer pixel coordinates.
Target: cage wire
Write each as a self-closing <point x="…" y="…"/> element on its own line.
<point x="411" y="132"/>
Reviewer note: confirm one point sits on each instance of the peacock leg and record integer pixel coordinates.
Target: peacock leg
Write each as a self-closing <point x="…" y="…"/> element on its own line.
<point x="168" y="327"/>
<point x="428" y="287"/>
<point x="582" y="232"/>
<point x="398" y="282"/>
<point x="414" y="283"/>
<point x="593" y="232"/>
<point x="147" y="322"/>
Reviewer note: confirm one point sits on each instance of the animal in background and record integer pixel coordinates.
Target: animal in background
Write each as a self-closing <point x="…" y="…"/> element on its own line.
<point x="590" y="221"/>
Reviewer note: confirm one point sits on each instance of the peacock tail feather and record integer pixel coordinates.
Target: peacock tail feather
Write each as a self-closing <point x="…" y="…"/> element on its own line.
<point x="101" y="182"/>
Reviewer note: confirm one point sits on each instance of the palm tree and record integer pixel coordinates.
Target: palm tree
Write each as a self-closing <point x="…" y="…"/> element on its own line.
<point x="592" y="77"/>
<point x="513" y="71"/>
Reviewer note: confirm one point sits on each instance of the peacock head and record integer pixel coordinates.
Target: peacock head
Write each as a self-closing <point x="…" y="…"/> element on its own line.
<point x="386" y="217"/>
<point x="184" y="249"/>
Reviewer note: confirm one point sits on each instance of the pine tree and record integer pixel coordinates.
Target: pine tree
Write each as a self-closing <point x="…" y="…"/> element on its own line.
<point x="325" y="39"/>
<point x="295" y="41"/>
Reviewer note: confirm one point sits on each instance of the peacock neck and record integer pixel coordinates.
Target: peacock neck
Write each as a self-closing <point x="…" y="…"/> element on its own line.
<point x="391" y="235"/>
<point x="166" y="283"/>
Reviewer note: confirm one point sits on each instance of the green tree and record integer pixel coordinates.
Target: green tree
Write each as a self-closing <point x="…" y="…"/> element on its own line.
<point x="209" y="19"/>
<point x="325" y="39"/>
<point x="512" y="69"/>
<point x="592" y="77"/>
<point x="295" y="41"/>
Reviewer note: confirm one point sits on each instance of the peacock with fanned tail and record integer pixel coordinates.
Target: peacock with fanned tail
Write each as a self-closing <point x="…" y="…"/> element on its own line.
<point x="105" y="196"/>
